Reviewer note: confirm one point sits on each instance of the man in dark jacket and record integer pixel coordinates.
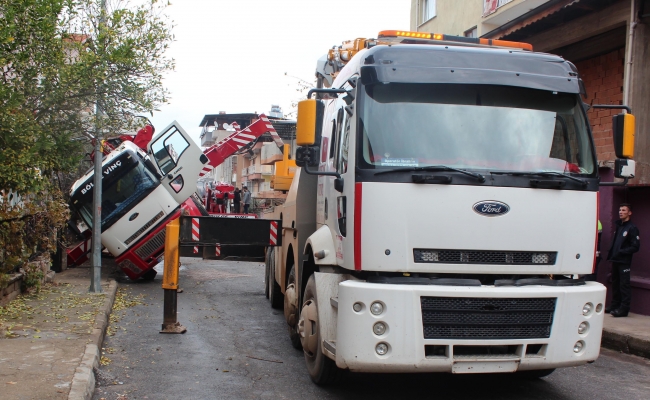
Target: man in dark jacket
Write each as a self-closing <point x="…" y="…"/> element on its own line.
<point x="236" y="200"/>
<point x="625" y="243"/>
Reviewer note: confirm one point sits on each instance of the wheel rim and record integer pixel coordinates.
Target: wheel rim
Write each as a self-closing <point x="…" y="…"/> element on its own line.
<point x="308" y="327"/>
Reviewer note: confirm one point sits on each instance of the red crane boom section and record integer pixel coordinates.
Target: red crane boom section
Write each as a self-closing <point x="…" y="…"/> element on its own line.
<point x="225" y="148"/>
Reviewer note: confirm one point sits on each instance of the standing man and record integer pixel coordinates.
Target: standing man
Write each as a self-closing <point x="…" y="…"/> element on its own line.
<point x="246" y="199"/>
<point x="236" y="200"/>
<point x="624" y="244"/>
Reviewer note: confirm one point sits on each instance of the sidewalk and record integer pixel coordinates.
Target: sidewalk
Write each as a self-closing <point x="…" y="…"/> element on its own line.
<point x="50" y="341"/>
<point x="630" y="335"/>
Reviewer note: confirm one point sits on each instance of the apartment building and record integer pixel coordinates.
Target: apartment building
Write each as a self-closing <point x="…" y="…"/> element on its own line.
<point x="253" y="167"/>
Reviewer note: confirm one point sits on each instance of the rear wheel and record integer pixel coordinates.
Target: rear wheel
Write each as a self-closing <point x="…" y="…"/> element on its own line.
<point x="291" y="296"/>
<point x="275" y="293"/>
<point x="322" y="370"/>
<point x="267" y="271"/>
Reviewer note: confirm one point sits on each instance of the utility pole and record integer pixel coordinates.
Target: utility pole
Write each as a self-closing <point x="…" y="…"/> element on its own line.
<point x="96" y="279"/>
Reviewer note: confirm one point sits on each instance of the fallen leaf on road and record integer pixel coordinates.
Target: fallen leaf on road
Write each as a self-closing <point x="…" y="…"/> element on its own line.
<point x="11" y="383"/>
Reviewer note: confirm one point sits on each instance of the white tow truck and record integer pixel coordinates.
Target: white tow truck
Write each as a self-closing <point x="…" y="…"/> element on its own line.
<point x="445" y="209"/>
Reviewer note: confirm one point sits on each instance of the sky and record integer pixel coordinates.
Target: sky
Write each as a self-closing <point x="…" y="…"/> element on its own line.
<point x="242" y="56"/>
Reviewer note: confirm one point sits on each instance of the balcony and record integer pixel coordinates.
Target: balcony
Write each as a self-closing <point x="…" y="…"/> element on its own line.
<point x="270" y="154"/>
<point x="254" y="172"/>
<point x="500" y="12"/>
<point x="207" y="138"/>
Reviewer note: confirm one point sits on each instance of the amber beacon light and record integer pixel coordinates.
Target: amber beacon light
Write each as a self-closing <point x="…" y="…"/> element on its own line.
<point x="439" y="37"/>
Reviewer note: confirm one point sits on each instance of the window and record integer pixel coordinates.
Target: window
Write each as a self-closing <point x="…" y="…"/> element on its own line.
<point x="428" y="9"/>
<point x="483" y="127"/>
<point x="168" y="149"/>
<point x="472" y="33"/>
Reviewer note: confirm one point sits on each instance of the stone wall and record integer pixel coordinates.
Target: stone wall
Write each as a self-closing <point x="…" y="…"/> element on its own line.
<point x="14" y="287"/>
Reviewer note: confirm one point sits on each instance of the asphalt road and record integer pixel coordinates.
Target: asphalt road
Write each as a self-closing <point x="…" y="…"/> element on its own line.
<point x="237" y="347"/>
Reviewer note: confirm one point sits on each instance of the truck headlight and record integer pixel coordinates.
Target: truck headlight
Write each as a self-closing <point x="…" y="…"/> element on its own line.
<point x="586" y="309"/>
<point x="577" y="348"/>
<point x="381" y="349"/>
<point x="376" y="308"/>
<point x="379" y="328"/>
<point x="583" y="327"/>
<point x="540" y="258"/>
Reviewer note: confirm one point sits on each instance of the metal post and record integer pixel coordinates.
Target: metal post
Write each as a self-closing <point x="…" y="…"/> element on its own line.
<point x="170" y="278"/>
<point x="95" y="282"/>
<point x="96" y="279"/>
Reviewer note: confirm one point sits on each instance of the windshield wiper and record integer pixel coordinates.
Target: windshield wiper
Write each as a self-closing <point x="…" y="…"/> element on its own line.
<point x="542" y="173"/>
<point x="434" y="168"/>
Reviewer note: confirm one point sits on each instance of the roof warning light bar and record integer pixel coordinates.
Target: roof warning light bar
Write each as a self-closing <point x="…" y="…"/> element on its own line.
<point x="425" y="37"/>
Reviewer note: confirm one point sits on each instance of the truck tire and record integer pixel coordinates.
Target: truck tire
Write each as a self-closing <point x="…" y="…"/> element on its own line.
<point x="149" y="275"/>
<point x="322" y="370"/>
<point x="275" y="293"/>
<point x="291" y="310"/>
<point x="267" y="271"/>
<point x="535" y="374"/>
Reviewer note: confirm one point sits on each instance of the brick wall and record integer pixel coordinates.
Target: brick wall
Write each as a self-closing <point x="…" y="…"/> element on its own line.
<point x="603" y="78"/>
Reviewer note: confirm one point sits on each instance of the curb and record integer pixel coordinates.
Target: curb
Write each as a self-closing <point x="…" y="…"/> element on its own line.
<point x="83" y="382"/>
<point x="625" y="343"/>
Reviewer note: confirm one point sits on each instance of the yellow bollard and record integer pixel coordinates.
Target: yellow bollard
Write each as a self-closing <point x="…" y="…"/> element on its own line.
<point x="170" y="273"/>
<point x="170" y="278"/>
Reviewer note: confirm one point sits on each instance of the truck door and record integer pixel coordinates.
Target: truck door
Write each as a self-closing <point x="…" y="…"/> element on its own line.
<point x="179" y="160"/>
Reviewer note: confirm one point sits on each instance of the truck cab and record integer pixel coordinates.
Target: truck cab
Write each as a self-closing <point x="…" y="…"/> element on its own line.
<point x="141" y="192"/>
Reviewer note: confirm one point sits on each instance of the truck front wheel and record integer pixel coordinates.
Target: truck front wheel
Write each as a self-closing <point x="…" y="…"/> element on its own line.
<point x="150" y="275"/>
<point x="322" y="370"/>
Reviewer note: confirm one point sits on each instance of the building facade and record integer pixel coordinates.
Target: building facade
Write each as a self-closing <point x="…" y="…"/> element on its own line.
<point x="253" y="166"/>
<point x="609" y="42"/>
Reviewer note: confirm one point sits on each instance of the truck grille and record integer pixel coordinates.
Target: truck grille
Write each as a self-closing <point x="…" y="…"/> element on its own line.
<point x="484" y="257"/>
<point x="144" y="228"/>
<point x="149" y="248"/>
<point x="487" y="318"/>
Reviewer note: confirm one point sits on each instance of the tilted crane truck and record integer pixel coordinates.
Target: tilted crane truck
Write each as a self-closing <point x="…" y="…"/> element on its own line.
<point x="445" y="208"/>
<point x="143" y="191"/>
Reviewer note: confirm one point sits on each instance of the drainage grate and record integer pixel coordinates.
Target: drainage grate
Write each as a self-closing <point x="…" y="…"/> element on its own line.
<point x="487" y="318"/>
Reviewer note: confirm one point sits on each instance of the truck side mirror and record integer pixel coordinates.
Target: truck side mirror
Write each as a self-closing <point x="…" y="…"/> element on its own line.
<point x="624" y="168"/>
<point x="310" y="122"/>
<point x="623" y="130"/>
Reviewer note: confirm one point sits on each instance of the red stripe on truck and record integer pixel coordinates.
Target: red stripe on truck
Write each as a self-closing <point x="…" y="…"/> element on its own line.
<point x="357" y="226"/>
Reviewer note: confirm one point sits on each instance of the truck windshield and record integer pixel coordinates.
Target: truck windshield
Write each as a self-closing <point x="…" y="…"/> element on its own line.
<point x="481" y="127"/>
<point x="122" y="189"/>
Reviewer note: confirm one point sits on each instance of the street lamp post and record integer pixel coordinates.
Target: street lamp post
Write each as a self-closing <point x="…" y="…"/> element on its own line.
<point x="95" y="282"/>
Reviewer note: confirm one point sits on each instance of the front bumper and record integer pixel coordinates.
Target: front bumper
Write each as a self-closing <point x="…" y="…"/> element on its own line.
<point x="409" y="351"/>
<point x="146" y="252"/>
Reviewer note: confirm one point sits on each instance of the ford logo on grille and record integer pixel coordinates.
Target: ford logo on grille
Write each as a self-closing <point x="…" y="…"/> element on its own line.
<point x="491" y="208"/>
<point x="133" y="216"/>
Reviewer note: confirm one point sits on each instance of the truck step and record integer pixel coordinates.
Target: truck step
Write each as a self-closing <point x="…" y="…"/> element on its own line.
<point x="334" y="301"/>
<point x="330" y="345"/>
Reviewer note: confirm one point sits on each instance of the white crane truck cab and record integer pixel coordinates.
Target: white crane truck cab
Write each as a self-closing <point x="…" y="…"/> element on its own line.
<point x="445" y="208"/>
<point x="141" y="193"/>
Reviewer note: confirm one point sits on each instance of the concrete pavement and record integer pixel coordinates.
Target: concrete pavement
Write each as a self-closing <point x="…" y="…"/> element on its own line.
<point x="629" y="335"/>
<point x="50" y="341"/>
